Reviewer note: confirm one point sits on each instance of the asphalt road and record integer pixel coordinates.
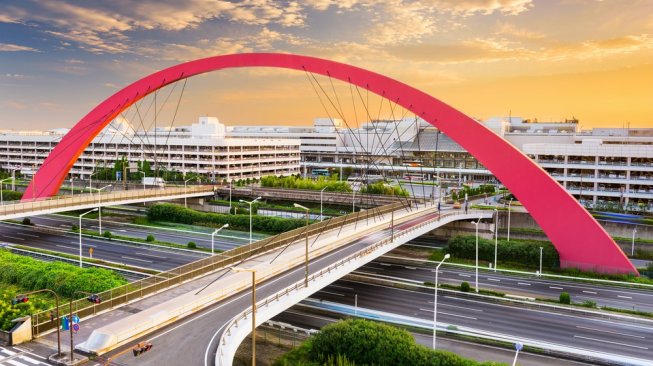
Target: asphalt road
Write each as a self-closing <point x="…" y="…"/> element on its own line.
<point x="193" y="341"/>
<point x="137" y="256"/>
<point x="627" y="338"/>
<point x="120" y="228"/>
<point x="522" y="285"/>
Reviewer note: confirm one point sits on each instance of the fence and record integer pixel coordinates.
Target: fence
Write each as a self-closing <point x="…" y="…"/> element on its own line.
<point x="232" y="330"/>
<point x="41" y="321"/>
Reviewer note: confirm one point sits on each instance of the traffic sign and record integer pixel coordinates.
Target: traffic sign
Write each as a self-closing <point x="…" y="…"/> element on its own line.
<point x="75" y="319"/>
<point x="75" y="328"/>
<point x="518" y="346"/>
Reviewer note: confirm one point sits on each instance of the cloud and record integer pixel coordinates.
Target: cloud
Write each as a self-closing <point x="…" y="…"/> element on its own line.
<point x="4" y="18"/>
<point x="507" y="29"/>
<point x="9" y="47"/>
<point x="13" y="104"/>
<point x="12" y="76"/>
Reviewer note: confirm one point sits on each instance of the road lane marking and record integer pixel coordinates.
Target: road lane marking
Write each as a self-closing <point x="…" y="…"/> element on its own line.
<point x="25" y="234"/>
<point x="410" y="267"/>
<point x="331" y="293"/>
<point x="625" y="297"/>
<point x="30" y="360"/>
<point x="151" y="255"/>
<point x="493" y="279"/>
<point x="342" y="287"/>
<point x="604" y="341"/>
<point x="555" y="288"/>
<point x="460" y="307"/>
<point x="385" y="264"/>
<point x="589" y="292"/>
<point x="464" y="275"/>
<point x="12" y="237"/>
<point x="64" y="246"/>
<point x="609" y="331"/>
<point x="523" y="283"/>
<point x="136" y="259"/>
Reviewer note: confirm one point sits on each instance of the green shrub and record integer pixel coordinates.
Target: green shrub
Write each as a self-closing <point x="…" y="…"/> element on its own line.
<point x="464" y="287"/>
<point x="175" y="213"/>
<point x="565" y="298"/>
<point x="429" y="284"/>
<point x="107" y="234"/>
<point x="191" y="245"/>
<point x="150" y="238"/>
<point x="297" y="182"/>
<point x="526" y="252"/>
<point x="74" y="227"/>
<point x="9" y="195"/>
<point x="27" y="221"/>
<point x="589" y="303"/>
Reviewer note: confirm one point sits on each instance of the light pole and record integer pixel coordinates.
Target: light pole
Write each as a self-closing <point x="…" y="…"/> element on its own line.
<point x="496" y="237"/>
<point x="435" y="301"/>
<point x="250" y="219"/>
<point x="13" y="175"/>
<point x="99" y="203"/>
<point x="509" y="209"/>
<point x="632" y="247"/>
<point x="541" y="253"/>
<point x="186" y="191"/>
<point x="306" y="254"/>
<point x="253" y="271"/>
<point x="90" y="180"/>
<point x="213" y="236"/>
<point x="56" y="304"/>
<point x="321" y="192"/>
<point x="476" y="223"/>
<point x="2" y="189"/>
<point x="80" y="234"/>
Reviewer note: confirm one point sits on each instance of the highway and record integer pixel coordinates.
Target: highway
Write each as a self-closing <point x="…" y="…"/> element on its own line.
<point x="137" y="256"/>
<point x="139" y="231"/>
<point x="522" y="285"/>
<point x="628" y="338"/>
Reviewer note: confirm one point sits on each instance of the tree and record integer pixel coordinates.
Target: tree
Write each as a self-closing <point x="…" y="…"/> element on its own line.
<point x="464" y="287"/>
<point x="150" y="238"/>
<point x="565" y="298"/>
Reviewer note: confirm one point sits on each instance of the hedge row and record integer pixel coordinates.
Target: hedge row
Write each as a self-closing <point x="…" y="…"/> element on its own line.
<point x="31" y="274"/>
<point x="175" y="213"/>
<point x="9" y="195"/>
<point x="518" y="251"/>
<point x="297" y="182"/>
<point x="363" y="342"/>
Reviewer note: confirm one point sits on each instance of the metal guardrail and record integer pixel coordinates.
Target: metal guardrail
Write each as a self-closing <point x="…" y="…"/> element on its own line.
<point x="228" y="330"/>
<point x="41" y="322"/>
<point x="60" y="202"/>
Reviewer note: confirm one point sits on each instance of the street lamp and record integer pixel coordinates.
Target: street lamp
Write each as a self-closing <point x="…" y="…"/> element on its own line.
<point x="186" y="190"/>
<point x="56" y="304"/>
<point x="541" y="253"/>
<point x="253" y="271"/>
<point x="496" y="237"/>
<point x="632" y="248"/>
<point x="90" y="180"/>
<point x="2" y="189"/>
<point x="99" y="203"/>
<point x="80" y="234"/>
<point x="509" y="209"/>
<point x="250" y="219"/>
<point x="476" y="223"/>
<point x="306" y="254"/>
<point x="321" y="192"/>
<point x="213" y="236"/>
<point x="435" y="301"/>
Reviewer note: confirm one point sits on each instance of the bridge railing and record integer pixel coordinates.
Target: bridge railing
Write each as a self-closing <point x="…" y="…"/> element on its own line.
<point x="57" y="202"/>
<point x="231" y="334"/>
<point x="42" y="322"/>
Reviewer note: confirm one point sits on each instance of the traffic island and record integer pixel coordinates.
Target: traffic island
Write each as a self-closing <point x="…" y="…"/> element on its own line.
<point x="64" y="359"/>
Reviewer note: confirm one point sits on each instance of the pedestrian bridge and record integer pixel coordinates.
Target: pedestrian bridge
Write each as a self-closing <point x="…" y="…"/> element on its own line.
<point x="335" y="249"/>
<point x="50" y="205"/>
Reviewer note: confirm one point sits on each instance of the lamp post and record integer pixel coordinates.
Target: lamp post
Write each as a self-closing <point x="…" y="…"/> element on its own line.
<point x="632" y="247"/>
<point x="186" y="191"/>
<point x="213" y="236"/>
<point x="99" y="207"/>
<point x="250" y="219"/>
<point x="541" y="253"/>
<point x="90" y="180"/>
<point x="476" y="223"/>
<point x="2" y="189"/>
<point x="435" y="301"/>
<point x="80" y="234"/>
<point x="13" y="175"/>
<point x="496" y="237"/>
<point x="306" y="254"/>
<point x="56" y="304"/>
<point x="509" y="209"/>
<point x="321" y="192"/>
<point x="253" y="271"/>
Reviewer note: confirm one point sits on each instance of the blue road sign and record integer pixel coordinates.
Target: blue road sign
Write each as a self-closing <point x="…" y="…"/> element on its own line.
<point x="75" y="328"/>
<point x="518" y="346"/>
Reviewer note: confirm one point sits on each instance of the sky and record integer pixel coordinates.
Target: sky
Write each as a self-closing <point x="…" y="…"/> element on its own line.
<point x="545" y="59"/>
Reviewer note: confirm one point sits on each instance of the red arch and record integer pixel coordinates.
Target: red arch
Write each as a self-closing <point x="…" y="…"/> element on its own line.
<point x="580" y="240"/>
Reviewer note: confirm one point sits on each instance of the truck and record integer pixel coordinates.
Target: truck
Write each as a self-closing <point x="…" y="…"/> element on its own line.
<point x="154" y="182"/>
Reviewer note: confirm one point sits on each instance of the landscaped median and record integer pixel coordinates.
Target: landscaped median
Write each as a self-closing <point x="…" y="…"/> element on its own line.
<point x="19" y="274"/>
